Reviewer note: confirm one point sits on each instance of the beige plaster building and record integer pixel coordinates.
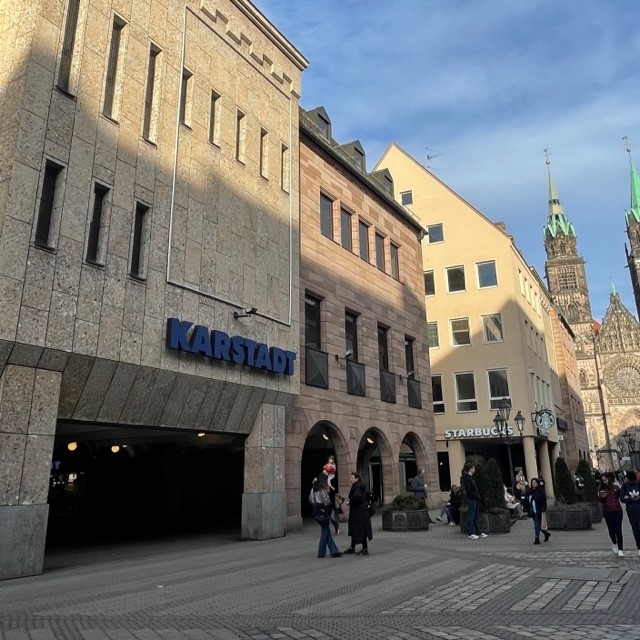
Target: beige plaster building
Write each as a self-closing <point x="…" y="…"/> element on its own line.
<point x="365" y="393"/>
<point x="490" y="332"/>
<point x="149" y="245"/>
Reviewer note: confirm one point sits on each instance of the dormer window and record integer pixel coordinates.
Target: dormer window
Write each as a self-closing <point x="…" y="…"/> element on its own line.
<point x="324" y="125"/>
<point x="358" y="157"/>
<point x="388" y="184"/>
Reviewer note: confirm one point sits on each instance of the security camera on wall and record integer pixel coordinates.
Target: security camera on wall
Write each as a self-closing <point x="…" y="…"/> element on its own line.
<point x="348" y="353"/>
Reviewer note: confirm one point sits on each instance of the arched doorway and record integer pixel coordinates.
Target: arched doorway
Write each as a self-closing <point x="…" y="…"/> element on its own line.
<point x="373" y="463"/>
<point x="412" y="459"/>
<point x="324" y="440"/>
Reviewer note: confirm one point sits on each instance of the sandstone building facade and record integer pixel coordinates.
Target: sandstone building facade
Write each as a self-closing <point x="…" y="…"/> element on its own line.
<point x="149" y="248"/>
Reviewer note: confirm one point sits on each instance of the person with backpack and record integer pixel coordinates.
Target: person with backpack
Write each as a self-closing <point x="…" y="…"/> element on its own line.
<point x="359" y="518"/>
<point x="322" y="507"/>
<point x="630" y="496"/>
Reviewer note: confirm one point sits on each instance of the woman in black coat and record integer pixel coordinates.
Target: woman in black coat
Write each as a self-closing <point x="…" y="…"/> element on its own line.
<point x="537" y="500"/>
<point x="359" y="519"/>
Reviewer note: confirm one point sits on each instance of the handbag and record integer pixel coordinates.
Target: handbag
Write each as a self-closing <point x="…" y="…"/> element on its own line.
<point x="464" y="507"/>
<point x="321" y="513"/>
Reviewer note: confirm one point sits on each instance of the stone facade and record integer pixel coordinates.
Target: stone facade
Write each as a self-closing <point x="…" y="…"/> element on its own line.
<point x="344" y="278"/>
<point x="147" y="154"/>
<point x="608" y="355"/>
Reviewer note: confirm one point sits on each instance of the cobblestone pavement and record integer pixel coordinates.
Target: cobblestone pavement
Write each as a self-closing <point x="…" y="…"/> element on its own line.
<point x="418" y="585"/>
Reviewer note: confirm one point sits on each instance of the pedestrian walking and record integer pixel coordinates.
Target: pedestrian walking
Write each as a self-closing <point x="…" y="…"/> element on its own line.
<point x="472" y="497"/>
<point x="630" y="496"/>
<point x="609" y="496"/>
<point x="321" y="503"/>
<point x="359" y="519"/>
<point x="419" y="486"/>
<point x="537" y="501"/>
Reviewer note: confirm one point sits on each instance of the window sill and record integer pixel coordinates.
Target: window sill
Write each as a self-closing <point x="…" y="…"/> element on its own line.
<point x="215" y="145"/>
<point x="137" y="279"/>
<point x="44" y="248"/>
<point x="186" y="126"/>
<point x="110" y="119"/>
<point x="151" y="143"/>
<point x="65" y="93"/>
<point x="95" y="265"/>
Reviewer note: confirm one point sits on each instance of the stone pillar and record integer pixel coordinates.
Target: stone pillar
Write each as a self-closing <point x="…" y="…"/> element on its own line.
<point x="456" y="460"/>
<point x="264" y="503"/>
<point x="28" y="412"/>
<point x="531" y="467"/>
<point x="545" y="468"/>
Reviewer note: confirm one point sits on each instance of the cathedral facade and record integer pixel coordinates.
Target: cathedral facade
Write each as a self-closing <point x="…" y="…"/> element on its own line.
<point x="608" y="354"/>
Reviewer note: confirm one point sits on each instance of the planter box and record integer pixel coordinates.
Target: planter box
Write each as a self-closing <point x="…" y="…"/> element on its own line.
<point x="490" y="522"/>
<point x="405" y="520"/>
<point x="596" y="512"/>
<point x="577" y="519"/>
<point x="555" y="518"/>
<point x="570" y="518"/>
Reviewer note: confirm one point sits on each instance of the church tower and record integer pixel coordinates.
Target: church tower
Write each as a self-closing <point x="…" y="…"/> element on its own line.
<point x="632" y="220"/>
<point x="567" y="282"/>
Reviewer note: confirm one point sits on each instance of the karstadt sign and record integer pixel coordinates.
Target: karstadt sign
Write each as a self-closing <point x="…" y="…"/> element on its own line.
<point x="235" y="349"/>
<point x="478" y="432"/>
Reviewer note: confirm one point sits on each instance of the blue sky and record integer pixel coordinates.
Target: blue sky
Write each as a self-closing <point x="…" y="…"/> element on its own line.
<point x="485" y="86"/>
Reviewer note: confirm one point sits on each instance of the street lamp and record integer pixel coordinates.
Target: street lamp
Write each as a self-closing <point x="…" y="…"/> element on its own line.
<point x="502" y="427"/>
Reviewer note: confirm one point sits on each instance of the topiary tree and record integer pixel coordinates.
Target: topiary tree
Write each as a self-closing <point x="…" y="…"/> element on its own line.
<point x="483" y="481"/>
<point x="564" y="486"/>
<point x="495" y="496"/>
<point x="405" y="502"/>
<point x="589" y="492"/>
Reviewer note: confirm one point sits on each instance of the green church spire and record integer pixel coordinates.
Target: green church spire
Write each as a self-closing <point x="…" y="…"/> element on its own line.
<point x="556" y="221"/>
<point x="633" y="213"/>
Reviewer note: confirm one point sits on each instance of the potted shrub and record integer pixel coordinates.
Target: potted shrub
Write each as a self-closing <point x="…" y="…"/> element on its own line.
<point x="588" y="492"/>
<point x="567" y="513"/>
<point x="405" y="513"/>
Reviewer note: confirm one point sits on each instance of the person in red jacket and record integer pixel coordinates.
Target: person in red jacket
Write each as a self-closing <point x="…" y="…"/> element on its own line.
<point x="609" y="496"/>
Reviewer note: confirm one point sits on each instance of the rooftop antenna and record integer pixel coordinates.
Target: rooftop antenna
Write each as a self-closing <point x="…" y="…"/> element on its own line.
<point x="430" y="157"/>
<point x="547" y="153"/>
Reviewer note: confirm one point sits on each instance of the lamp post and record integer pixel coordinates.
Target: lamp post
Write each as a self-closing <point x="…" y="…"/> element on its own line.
<point x="501" y="421"/>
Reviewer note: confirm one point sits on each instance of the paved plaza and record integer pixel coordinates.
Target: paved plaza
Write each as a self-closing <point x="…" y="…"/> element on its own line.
<point x="422" y="585"/>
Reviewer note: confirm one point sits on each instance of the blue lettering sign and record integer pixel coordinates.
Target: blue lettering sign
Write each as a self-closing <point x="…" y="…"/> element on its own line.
<point x="184" y="336"/>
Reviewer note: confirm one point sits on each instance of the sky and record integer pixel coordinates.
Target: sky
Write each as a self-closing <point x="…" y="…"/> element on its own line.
<point x="475" y="90"/>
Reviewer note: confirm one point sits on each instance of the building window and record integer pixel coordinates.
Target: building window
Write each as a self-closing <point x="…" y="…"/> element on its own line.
<point x="435" y="233"/>
<point x="326" y="216"/>
<point x="465" y="392"/>
<point x="429" y="283"/>
<point x="138" y="247"/>
<point x="358" y="158"/>
<point x="96" y="240"/>
<point x="433" y="339"/>
<point x="383" y="347"/>
<point x="50" y="209"/>
<point x="395" y="262"/>
<point x="487" y="274"/>
<point x="455" y="279"/>
<point x="264" y="153"/>
<point x="312" y="321"/>
<point x="406" y="197"/>
<point x="363" y="236"/>
<point x="186" y="97"/>
<point x="150" y="119"/>
<point x="214" y="119"/>
<point x="498" y="387"/>
<point x="380" y="263"/>
<point x="111" y="82"/>
<point x="409" y="356"/>
<point x="567" y="278"/>
<point x="284" y="168"/>
<point x="324" y="126"/>
<point x="573" y="314"/>
<point x="241" y="133"/>
<point x="438" y="395"/>
<point x="460" y="334"/>
<point x="351" y="335"/>
<point x="68" y="44"/>
<point x="492" y="328"/>
<point x="345" y="229"/>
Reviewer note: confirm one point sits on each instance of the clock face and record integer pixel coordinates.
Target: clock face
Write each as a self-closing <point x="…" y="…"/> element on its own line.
<point x="623" y="376"/>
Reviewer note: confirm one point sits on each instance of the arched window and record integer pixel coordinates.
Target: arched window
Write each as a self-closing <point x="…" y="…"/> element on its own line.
<point x="583" y="377"/>
<point x="573" y="315"/>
